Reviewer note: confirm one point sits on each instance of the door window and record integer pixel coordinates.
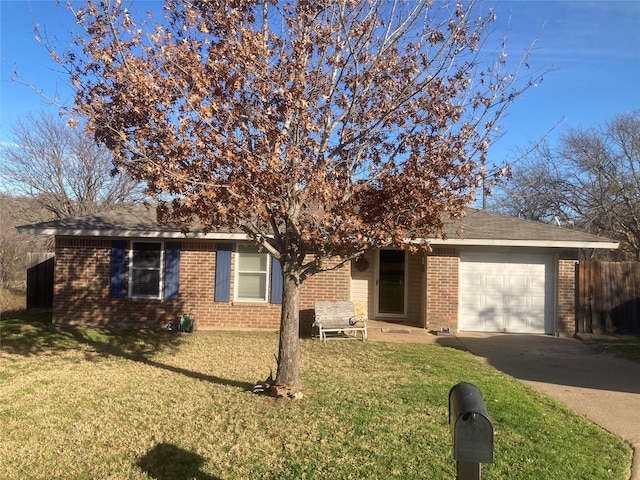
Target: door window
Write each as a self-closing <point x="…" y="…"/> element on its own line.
<point x="391" y="282"/>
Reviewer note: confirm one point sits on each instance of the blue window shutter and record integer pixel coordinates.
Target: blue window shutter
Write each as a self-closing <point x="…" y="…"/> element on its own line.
<point x="276" y="281"/>
<point x="223" y="272"/>
<point x="118" y="268"/>
<point x="171" y="270"/>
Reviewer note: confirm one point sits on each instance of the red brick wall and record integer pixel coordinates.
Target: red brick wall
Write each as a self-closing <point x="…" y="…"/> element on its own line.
<point x="197" y="285"/>
<point x="566" y="297"/>
<point x="332" y="285"/>
<point x="82" y="279"/>
<point x="442" y="291"/>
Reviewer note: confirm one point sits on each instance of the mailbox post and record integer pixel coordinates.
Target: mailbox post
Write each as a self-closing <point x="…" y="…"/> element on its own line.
<point x="471" y="429"/>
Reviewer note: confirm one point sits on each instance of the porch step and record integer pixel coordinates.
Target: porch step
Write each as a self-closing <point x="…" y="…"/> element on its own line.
<point x="395" y="330"/>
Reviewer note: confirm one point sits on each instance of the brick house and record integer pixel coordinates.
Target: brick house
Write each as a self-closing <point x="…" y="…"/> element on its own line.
<point x="491" y="273"/>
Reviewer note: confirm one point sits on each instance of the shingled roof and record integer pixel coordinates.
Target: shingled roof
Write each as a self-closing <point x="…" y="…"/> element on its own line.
<point x="131" y="221"/>
<point x="480" y="227"/>
<point x="477" y="228"/>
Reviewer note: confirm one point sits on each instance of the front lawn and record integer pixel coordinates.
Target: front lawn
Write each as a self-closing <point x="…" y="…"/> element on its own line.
<point x="88" y="404"/>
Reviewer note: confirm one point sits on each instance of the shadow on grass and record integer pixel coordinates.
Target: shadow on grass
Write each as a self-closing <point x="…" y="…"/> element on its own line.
<point x="169" y="462"/>
<point x="33" y="338"/>
<point x="200" y="376"/>
<point x="452" y="343"/>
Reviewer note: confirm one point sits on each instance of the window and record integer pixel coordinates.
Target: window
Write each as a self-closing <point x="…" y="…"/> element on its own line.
<point x="145" y="270"/>
<point x="252" y="274"/>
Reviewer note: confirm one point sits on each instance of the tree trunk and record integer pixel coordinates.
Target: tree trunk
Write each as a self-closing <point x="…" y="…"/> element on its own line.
<point x="288" y="374"/>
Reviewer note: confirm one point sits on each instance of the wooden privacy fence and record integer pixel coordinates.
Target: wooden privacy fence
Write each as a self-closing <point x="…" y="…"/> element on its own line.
<point x="608" y="297"/>
<point x="40" y="280"/>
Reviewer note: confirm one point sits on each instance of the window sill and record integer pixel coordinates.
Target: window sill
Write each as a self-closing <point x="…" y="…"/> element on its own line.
<point x="241" y="301"/>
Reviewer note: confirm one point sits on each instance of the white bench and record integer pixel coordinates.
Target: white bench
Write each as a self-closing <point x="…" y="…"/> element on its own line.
<point x="341" y="319"/>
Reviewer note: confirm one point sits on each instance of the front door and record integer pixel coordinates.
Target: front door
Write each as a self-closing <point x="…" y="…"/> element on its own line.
<point x="391" y="284"/>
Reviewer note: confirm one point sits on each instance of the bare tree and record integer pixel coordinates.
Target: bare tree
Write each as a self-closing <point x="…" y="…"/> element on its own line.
<point x="62" y="168"/>
<point x="591" y="180"/>
<point x="14" y="247"/>
<point x="11" y="251"/>
<point x="321" y="129"/>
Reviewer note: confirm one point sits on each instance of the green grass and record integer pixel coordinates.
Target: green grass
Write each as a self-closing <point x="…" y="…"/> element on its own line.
<point x="625" y="347"/>
<point x="89" y="404"/>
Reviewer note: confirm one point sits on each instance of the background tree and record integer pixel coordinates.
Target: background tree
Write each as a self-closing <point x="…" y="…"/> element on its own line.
<point x="590" y="180"/>
<point x="321" y="129"/>
<point x="62" y="168"/>
<point x="14" y="247"/>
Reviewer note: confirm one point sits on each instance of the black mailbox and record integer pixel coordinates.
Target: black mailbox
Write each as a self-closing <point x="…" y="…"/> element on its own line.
<point x="470" y="425"/>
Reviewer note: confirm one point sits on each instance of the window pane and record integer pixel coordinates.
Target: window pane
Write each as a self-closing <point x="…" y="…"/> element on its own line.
<point x="146" y="255"/>
<point x="253" y="262"/>
<point x="252" y="286"/>
<point x="146" y="282"/>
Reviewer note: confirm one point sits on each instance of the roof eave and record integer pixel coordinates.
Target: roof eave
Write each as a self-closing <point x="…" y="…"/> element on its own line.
<point x="468" y="242"/>
<point x="31" y="230"/>
<point x="71" y="232"/>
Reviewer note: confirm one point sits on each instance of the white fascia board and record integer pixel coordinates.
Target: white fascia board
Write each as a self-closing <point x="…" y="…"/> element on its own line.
<point x="241" y="236"/>
<point x="524" y="243"/>
<point x="130" y="234"/>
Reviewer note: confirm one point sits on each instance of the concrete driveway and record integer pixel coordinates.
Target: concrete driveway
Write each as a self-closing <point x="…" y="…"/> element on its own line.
<point x="604" y="389"/>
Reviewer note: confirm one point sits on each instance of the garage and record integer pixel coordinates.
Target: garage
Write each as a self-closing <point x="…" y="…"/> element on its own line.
<point x="511" y="292"/>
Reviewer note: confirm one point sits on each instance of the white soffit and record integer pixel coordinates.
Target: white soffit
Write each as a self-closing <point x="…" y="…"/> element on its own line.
<point x="524" y="243"/>
<point x="129" y="233"/>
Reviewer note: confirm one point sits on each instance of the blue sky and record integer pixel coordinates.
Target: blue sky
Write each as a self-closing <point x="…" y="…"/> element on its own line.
<point x="594" y="47"/>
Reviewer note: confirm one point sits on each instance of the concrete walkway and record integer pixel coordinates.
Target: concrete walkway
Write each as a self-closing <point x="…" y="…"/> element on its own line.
<point x="603" y="388"/>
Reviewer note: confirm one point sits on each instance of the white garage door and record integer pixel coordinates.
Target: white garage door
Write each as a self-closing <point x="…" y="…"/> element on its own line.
<point x="506" y="293"/>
